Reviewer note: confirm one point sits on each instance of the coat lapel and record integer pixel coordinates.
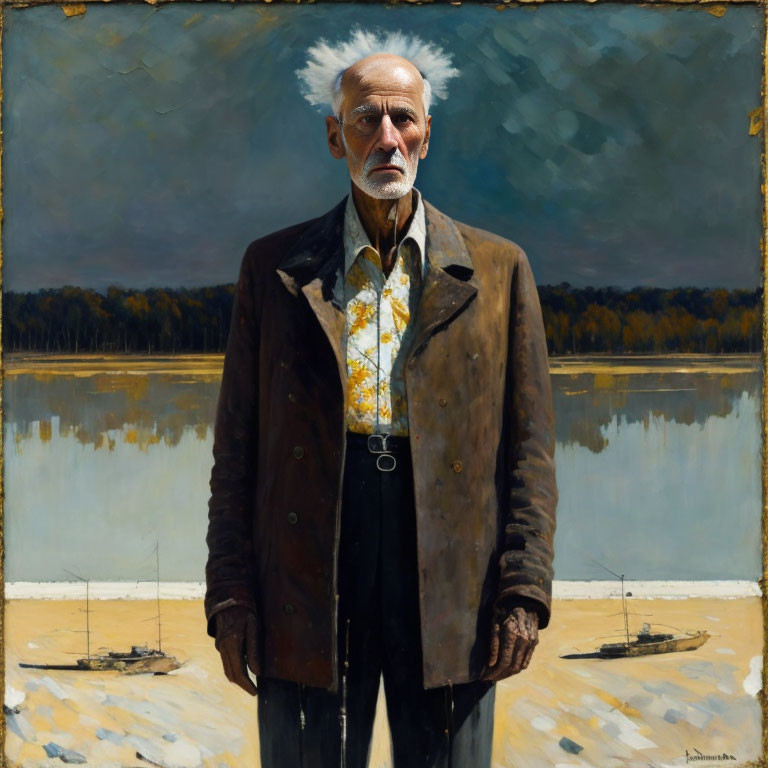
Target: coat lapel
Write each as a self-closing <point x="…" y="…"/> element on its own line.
<point x="446" y="289"/>
<point x="312" y="266"/>
<point x="316" y="261"/>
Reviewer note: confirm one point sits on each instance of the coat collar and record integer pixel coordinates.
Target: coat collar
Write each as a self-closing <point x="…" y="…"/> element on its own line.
<point x="317" y="254"/>
<point x="445" y="245"/>
<point x="316" y="261"/>
<point x="319" y="251"/>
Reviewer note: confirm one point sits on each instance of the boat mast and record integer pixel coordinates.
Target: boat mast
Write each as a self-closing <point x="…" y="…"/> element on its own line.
<point x="623" y="598"/>
<point x="87" y="612"/>
<point x="624" y="608"/>
<point x="87" y="618"/>
<point x="159" y="631"/>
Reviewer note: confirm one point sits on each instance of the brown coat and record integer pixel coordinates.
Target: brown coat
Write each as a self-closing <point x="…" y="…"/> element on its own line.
<point x="482" y="436"/>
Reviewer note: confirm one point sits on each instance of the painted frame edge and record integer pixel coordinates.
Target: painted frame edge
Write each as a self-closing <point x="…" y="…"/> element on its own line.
<point x="500" y="5"/>
<point x="716" y="7"/>
<point x="764" y="410"/>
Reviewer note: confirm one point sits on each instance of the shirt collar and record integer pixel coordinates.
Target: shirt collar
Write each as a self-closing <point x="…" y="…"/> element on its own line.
<point x="356" y="238"/>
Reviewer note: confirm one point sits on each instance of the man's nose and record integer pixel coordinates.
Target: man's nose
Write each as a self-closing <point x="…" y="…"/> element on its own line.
<point x="389" y="136"/>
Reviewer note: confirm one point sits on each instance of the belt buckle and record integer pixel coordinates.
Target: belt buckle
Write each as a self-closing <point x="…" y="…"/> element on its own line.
<point x="385" y="461"/>
<point x="382" y="462"/>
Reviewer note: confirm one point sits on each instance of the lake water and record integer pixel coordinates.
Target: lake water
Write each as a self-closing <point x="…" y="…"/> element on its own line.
<point x="658" y="466"/>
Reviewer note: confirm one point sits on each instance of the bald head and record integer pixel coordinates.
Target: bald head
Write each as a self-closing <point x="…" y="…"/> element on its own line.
<point x="381" y="73"/>
<point x="381" y="125"/>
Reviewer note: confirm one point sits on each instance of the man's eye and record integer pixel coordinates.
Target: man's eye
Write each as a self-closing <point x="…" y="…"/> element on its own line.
<point x="368" y="119"/>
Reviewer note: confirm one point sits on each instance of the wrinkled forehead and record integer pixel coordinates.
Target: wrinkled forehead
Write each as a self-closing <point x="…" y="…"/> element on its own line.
<point x="382" y="76"/>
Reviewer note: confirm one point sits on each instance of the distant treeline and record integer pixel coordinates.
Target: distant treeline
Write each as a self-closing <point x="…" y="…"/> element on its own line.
<point x="72" y="319"/>
<point x="577" y="320"/>
<point x="582" y="320"/>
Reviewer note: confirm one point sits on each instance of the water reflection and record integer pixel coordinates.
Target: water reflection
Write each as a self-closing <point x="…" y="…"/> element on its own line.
<point x="151" y="408"/>
<point x="658" y="472"/>
<point x="586" y="404"/>
<point x="145" y="408"/>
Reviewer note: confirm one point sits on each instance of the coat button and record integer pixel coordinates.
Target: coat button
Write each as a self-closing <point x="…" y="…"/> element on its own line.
<point x="293" y="518"/>
<point x="289" y="609"/>
<point x="457" y="466"/>
<point x="298" y="452"/>
<point x="443" y="402"/>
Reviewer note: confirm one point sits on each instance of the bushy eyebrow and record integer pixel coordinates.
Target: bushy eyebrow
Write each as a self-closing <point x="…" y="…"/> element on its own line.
<point x="373" y="109"/>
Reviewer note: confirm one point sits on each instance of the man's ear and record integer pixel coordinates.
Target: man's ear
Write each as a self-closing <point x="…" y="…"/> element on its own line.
<point x="425" y="143"/>
<point x="335" y="143"/>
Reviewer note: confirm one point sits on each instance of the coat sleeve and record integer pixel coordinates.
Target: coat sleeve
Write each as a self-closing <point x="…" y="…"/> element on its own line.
<point x="526" y="556"/>
<point x="229" y="571"/>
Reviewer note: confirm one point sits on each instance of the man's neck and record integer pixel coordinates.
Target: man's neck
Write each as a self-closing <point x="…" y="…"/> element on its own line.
<point x="378" y="217"/>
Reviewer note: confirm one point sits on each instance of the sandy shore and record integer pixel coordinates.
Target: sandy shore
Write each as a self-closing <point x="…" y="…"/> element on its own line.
<point x="210" y="364"/>
<point x="626" y="712"/>
<point x="91" y="365"/>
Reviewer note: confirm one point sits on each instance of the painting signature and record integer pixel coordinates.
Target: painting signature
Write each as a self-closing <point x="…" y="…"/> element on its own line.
<point x="696" y="756"/>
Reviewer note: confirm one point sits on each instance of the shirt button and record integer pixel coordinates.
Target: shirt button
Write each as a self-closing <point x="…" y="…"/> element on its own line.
<point x="457" y="466"/>
<point x="298" y="452"/>
<point x="443" y="402"/>
<point x="289" y="609"/>
<point x="293" y="518"/>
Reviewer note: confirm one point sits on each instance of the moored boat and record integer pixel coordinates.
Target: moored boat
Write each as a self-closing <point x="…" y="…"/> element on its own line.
<point x="647" y="643"/>
<point x="139" y="660"/>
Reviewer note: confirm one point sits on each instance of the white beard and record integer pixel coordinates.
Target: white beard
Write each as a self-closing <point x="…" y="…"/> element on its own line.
<point x="390" y="189"/>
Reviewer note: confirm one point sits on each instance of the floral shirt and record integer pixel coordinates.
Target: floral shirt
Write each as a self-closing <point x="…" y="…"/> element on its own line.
<point x="379" y="310"/>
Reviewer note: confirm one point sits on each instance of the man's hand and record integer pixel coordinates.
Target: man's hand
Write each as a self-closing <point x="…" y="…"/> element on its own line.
<point x="513" y="638"/>
<point x="237" y="643"/>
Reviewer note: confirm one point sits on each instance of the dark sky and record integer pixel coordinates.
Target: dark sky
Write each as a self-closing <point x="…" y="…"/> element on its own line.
<point x="149" y="146"/>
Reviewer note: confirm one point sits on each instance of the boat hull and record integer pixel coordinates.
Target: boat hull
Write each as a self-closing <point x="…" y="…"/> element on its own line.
<point x="158" y="665"/>
<point x="673" y="645"/>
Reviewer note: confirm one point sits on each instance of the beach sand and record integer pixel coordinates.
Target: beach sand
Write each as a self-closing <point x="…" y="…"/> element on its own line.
<point x="210" y="365"/>
<point x="623" y="712"/>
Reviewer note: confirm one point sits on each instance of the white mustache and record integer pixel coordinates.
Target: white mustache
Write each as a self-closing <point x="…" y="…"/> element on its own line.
<point x="384" y="158"/>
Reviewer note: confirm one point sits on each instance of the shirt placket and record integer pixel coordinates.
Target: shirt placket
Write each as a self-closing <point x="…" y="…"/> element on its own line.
<point x="379" y="283"/>
<point x="381" y="309"/>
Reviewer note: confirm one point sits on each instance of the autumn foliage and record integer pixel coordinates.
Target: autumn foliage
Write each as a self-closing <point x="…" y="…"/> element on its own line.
<point x="577" y="320"/>
<point x="650" y="320"/>
<point x="72" y="319"/>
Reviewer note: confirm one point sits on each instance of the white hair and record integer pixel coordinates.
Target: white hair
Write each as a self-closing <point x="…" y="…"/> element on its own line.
<point x="321" y="77"/>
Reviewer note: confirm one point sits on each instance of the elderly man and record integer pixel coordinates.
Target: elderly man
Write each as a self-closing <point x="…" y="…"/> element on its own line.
<point x="383" y="491"/>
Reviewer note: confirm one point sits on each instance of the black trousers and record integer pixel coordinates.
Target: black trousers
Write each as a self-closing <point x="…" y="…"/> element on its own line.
<point x="379" y="636"/>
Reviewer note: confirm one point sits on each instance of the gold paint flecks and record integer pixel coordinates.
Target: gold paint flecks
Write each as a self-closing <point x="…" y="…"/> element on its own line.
<point x="716" y="10"/>
<point x="73" y="9"/>
<point x="192" y="20"/>
<point x="755" y="121"/>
